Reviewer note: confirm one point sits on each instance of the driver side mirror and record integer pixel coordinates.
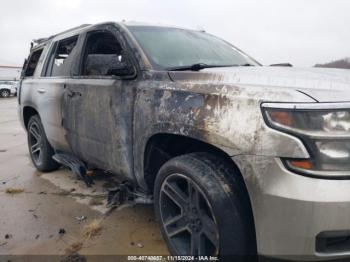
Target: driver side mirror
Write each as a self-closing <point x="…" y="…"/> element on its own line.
<point x="107" y="65"/>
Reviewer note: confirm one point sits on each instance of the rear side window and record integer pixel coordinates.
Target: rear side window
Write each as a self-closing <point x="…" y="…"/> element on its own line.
<point x="62" y="57"/>
<point x="32" y="63"/>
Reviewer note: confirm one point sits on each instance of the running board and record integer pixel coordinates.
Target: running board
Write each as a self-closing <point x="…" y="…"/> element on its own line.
<point x="75" y="165"/>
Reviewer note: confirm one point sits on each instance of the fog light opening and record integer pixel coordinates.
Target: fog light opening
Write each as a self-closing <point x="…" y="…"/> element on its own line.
<point x="333" y="242"/>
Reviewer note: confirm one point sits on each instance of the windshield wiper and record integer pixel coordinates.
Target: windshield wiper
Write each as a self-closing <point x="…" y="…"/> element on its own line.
<point x="196" y="67"/>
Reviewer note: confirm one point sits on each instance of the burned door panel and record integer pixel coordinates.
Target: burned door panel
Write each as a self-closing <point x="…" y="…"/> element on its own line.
<point x="98" y="120"/>
<point x="99" y="105"/>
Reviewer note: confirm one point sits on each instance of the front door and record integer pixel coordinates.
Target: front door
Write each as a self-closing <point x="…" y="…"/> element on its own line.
<point x="98" y="105"/>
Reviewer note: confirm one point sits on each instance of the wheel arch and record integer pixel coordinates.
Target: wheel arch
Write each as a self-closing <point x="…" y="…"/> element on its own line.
<point x="161" y="147"/>
<point x="28" y="112"/>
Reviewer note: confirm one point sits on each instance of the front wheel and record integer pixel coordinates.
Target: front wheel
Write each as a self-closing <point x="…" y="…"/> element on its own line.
<point x="203" y="208"/>
<point x="40" y="149"/>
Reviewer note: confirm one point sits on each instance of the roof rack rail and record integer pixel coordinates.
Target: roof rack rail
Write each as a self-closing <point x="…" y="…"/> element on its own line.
<point x="42" y="40"/>
<point x="72" y="29"/>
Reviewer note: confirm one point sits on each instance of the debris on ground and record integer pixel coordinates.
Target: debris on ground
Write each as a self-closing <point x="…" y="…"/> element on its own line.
<point x="3" y="150"/>
<point x="12" y="190"/>
<point x="38" y="173"/>
<point x="74" y="248"/>
<point x="90" y="173"/>
<point x="139" y="245"/>
<point x="95" y="202"/>
<point x="72" y="190"/>
<point x="81" y="218"/>
<point x="62" y="193"/>
<point x="92" y="229"/>
<point x="76" y="166"/>
<point x="74" y="258"/>
<point x="61" y="231"/>
<point x="119" y="195"/>
<point x="114" y="198"/>
<point x="8" y="236"/>
<point x="37" y="236"/>
<point x="33" y="213"/>
<point x="3" y="244"/>
<point x="125" y="193"/>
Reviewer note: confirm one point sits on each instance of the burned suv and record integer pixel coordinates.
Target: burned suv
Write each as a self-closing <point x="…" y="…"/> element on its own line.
<point x="240" y="158"/>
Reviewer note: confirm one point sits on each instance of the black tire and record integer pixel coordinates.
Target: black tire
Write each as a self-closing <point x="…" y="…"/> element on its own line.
<point x="39" y="147"/>
<point x="223" y="194"/>
<point x="5" y="93"/>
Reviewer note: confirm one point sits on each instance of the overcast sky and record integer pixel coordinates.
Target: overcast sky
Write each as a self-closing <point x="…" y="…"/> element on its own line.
<point x="302" y="32"/>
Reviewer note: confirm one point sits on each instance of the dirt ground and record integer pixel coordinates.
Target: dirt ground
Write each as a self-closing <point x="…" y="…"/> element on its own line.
<point x="30" y="221"/>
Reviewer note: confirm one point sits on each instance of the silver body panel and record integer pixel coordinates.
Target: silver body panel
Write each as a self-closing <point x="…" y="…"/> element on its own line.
<point x="221" y="107"/>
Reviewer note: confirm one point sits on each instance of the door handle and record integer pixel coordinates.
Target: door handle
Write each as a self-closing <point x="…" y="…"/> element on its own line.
<point x="73" y="93"/>
<point x="41" y="90"/>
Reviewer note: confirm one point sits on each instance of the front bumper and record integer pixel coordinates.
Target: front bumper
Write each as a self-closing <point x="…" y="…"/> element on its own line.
<point x="291" y="210"/>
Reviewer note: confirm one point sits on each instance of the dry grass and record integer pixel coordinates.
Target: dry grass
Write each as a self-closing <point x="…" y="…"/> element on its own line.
<point x="92" y="229"/>
<point x="74" y="248"/>
<point x="12" y="190"/>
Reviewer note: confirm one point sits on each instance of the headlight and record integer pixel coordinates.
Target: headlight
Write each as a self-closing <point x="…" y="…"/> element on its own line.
<point x="324" y="129"/>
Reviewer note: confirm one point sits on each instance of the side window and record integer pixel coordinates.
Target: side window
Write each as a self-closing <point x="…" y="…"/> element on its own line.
<point x="103" y="55"/>
<point x="32" y="63"/>
<point x="62" y="57"/>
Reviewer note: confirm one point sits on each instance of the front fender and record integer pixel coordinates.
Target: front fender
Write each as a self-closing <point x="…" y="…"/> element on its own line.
<point x="232" y="121"/>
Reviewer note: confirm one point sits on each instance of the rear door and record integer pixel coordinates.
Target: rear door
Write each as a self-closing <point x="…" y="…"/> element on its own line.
<point x="98" y="104"/>
<point x="50" y="88"/>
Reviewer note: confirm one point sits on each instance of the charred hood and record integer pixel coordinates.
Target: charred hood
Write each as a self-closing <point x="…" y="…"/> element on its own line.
<point x="324" y="85"/>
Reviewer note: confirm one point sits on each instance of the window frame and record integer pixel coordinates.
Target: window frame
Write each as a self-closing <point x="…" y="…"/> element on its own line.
<point x="115" y="33"/>
<point x="49" y="62"/>
<point x="25" y="68"/>
<point x="44" y="72"/>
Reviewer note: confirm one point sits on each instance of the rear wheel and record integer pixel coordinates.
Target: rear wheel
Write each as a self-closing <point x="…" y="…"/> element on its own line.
<point x="203" y="209"/>
<point x="5" y="93"/>
<point x="40" y="150"/>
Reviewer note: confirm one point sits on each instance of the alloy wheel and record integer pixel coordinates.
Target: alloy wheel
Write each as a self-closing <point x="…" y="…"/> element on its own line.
<point x="35" y="143"/>
<point x="187" y="217"/>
